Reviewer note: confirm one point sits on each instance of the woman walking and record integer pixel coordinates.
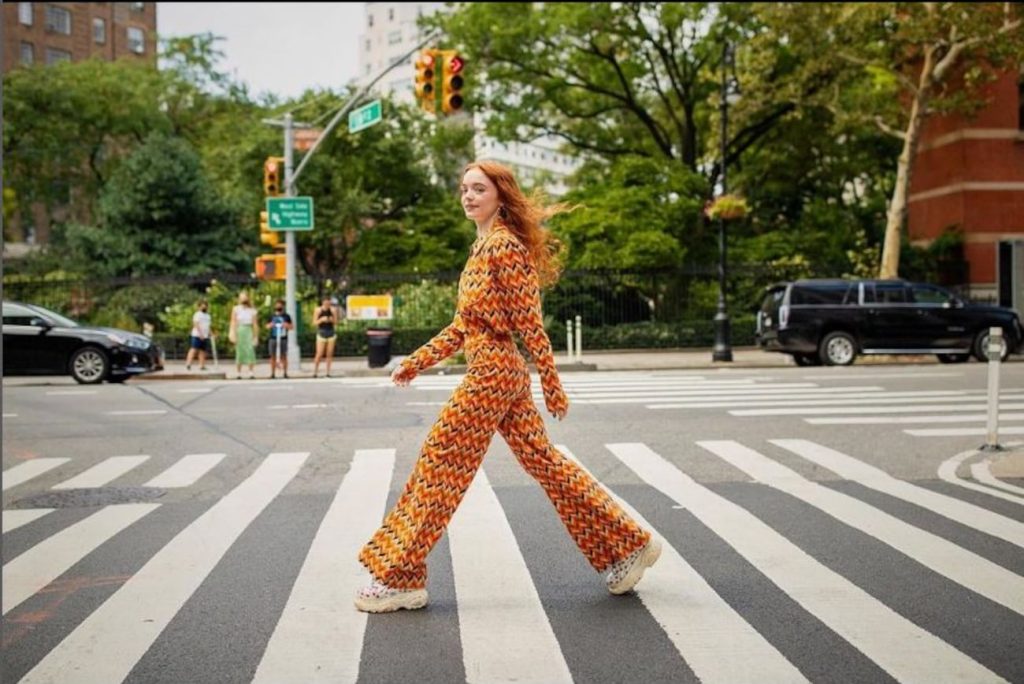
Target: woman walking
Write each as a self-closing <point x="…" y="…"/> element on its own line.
<point x="244" y="334"/>
<point x="499" y="294"/>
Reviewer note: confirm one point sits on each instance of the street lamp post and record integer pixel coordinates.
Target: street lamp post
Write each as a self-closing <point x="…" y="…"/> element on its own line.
<point x="722" y="351"/>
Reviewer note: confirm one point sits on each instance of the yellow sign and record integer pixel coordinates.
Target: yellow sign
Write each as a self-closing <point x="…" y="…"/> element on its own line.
<point x="368" y="307"/>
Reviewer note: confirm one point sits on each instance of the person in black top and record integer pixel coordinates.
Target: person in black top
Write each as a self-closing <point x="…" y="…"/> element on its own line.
<point x="325" y="319"/>
<point x="277" y="346"/>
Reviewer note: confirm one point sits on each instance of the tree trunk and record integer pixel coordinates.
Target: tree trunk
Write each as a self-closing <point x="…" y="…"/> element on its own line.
<point x="897" y="214"/>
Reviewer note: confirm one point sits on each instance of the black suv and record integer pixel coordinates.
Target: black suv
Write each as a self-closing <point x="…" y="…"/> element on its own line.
<point x="832" y="321"/>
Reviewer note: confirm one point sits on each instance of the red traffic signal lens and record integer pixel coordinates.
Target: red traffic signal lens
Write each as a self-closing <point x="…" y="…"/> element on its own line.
<point x="455" y="65"/>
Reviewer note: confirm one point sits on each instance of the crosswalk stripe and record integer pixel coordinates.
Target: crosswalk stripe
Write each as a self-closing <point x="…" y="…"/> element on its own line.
<point x="962" y="432"/>
<point x="187" y="471"/>
<point x="15" y="518"/>
<point x="798" y="398"/>
<point x="48" y="560"/>
<point x="103" y="472"/>
<point x="506" y="635"/>
<point x="107" y="644"/>
<point x="838" y="410"/>
<point x="963" y="567"/>
<point x="874" y="478"/>
<point x="937" y="397"/>
<point x="947" y="471"/>
<point x="981" y="473"/>
<point x="895" y="420"/>
<point x="319" y="608"/>
<point x="898" y="646"/>
<point x="694" y="617"/>
<point x="23" y="472"/>
<point x="725" y="394"/>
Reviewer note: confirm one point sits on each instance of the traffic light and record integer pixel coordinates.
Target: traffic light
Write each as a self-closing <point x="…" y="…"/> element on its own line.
<point x="268" y="237"/>
<point x="452" y="80"/>
<point x="273" y="172"/>
<point x="425" y="80"/>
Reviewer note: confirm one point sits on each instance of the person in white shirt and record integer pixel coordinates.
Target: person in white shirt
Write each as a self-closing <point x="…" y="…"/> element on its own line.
<point x="199" y="341"/>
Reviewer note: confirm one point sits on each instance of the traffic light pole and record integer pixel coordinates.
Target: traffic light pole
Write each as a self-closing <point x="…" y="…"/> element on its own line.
<point x="294" y="358"/>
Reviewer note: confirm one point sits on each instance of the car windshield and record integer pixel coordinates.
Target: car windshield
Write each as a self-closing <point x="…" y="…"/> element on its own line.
<point x="61" y="321"/>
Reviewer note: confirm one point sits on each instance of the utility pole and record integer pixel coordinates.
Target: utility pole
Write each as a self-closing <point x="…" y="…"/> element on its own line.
<point x="291" y="174"/>
<point x="294" y="357"/>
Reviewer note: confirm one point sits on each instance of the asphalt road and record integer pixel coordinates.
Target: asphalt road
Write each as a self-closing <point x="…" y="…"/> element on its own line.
<point x="205" y="531"/>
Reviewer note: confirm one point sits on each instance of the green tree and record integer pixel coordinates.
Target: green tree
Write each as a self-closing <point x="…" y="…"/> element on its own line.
<point x="159" y="215"/>
<point x="902" y="63"/>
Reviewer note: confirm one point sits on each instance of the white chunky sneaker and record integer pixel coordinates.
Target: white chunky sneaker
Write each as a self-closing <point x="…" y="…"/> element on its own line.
<point x="380" y="598"/>
<point x="624" y="575"/>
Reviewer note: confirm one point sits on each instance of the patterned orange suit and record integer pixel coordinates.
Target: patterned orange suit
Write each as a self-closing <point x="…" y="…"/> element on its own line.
<point x="499" y="295"/>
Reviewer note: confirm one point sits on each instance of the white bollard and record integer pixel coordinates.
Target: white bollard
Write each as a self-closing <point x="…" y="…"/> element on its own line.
<point x="579" y="339"/>
<point x="568" y="339"/>
<point x="995" y="352"/>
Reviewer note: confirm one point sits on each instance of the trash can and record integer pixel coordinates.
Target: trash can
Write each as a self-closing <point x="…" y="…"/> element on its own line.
<point x="379" y="346"/>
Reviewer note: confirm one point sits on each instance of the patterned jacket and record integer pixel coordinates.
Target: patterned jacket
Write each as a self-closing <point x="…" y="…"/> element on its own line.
<point x="499" y="294"/>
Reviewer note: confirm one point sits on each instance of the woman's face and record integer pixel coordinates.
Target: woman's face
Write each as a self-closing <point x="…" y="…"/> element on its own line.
<point x="479" y="195"/>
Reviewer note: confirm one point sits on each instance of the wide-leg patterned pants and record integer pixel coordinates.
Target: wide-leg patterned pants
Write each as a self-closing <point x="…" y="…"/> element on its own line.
<point x="492" y="399"/>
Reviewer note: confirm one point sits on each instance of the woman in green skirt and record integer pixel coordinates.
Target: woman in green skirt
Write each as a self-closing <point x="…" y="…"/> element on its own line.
<point x="244" y="334"/>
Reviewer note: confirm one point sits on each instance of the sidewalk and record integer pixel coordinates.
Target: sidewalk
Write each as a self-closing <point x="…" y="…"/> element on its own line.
<point x="633" y="359"/>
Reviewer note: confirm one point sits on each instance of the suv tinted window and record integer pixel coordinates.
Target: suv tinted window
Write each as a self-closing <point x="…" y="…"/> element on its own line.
<point x="823" y="293"/>
<point x="928" y="294"/>
<point x="885" y="293"/>
<point x="773" y="300"/>
<point x="18" y="315"/>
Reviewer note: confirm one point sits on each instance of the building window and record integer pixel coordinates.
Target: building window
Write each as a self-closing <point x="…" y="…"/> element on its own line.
<point x="136" y="40"/>
<point x="25" y="13"/>
<point x="53" y="55"/>
<point x="1020" y="104"/>
<point x="138" y="6"/>
<point x="28" y="53"/>
<point x="58" y="20"/>
<point x="368" y="45"/>
<point x="369" y="20"/>
<point x="394" y="37"/>
<point x="99" y="30"/>
<point x="368" y="66"/>
<point x="391" y="13"/>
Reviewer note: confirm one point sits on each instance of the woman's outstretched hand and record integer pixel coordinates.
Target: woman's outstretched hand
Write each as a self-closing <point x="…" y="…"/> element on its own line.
<point x="558" y="403"/>
<point x="402" y="376"/>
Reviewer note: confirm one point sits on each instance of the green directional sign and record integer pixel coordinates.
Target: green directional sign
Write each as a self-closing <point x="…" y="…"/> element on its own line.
<point x="364" y="117"/>
<point x="290" y="213"/>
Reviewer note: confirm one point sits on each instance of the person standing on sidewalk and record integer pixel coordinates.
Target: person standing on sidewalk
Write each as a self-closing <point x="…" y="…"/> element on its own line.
<point x="244" y="334"/>
<point x="325" y="318"/>
<point x="277" y="345"/>
<point x="499" y="295"/>
<point x="199" y="341"/>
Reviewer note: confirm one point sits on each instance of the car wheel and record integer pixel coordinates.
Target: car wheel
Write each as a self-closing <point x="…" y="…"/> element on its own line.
<point x="981" y="347"/>
<point x="952" y="358"/>
<point x="806" y="359"/>
<point x="89" y="365"/>
<point x="837" y="349"/>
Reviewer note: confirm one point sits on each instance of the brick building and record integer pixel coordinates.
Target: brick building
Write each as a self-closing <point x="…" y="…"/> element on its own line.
<point x="969" y="174"/>
<point x="48" y="32"/>
<point x="42" y="33"/>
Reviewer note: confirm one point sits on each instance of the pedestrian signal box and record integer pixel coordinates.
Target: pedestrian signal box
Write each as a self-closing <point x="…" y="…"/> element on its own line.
<point x="270" y="267"/>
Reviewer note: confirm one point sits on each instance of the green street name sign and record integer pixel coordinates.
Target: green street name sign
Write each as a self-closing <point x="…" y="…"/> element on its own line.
<point x="364" y="117"/>
<point x="290" y="213"/>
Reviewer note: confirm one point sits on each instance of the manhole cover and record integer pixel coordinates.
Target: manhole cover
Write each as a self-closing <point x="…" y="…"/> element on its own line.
<point x="95" y="496"/>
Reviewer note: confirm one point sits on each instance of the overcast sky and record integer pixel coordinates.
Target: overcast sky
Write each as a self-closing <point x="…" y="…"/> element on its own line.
<point x="278" y="47"/>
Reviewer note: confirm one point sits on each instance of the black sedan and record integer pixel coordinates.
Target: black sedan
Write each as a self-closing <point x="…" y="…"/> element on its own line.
<point x="38" y="341"/>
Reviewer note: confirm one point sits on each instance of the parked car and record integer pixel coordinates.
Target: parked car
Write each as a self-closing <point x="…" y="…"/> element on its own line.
<point x="833" y="321"/>
<point x="38" y="341"/>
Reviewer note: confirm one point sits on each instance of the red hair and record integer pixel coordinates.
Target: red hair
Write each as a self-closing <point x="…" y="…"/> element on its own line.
<point x="524" y="216"/>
